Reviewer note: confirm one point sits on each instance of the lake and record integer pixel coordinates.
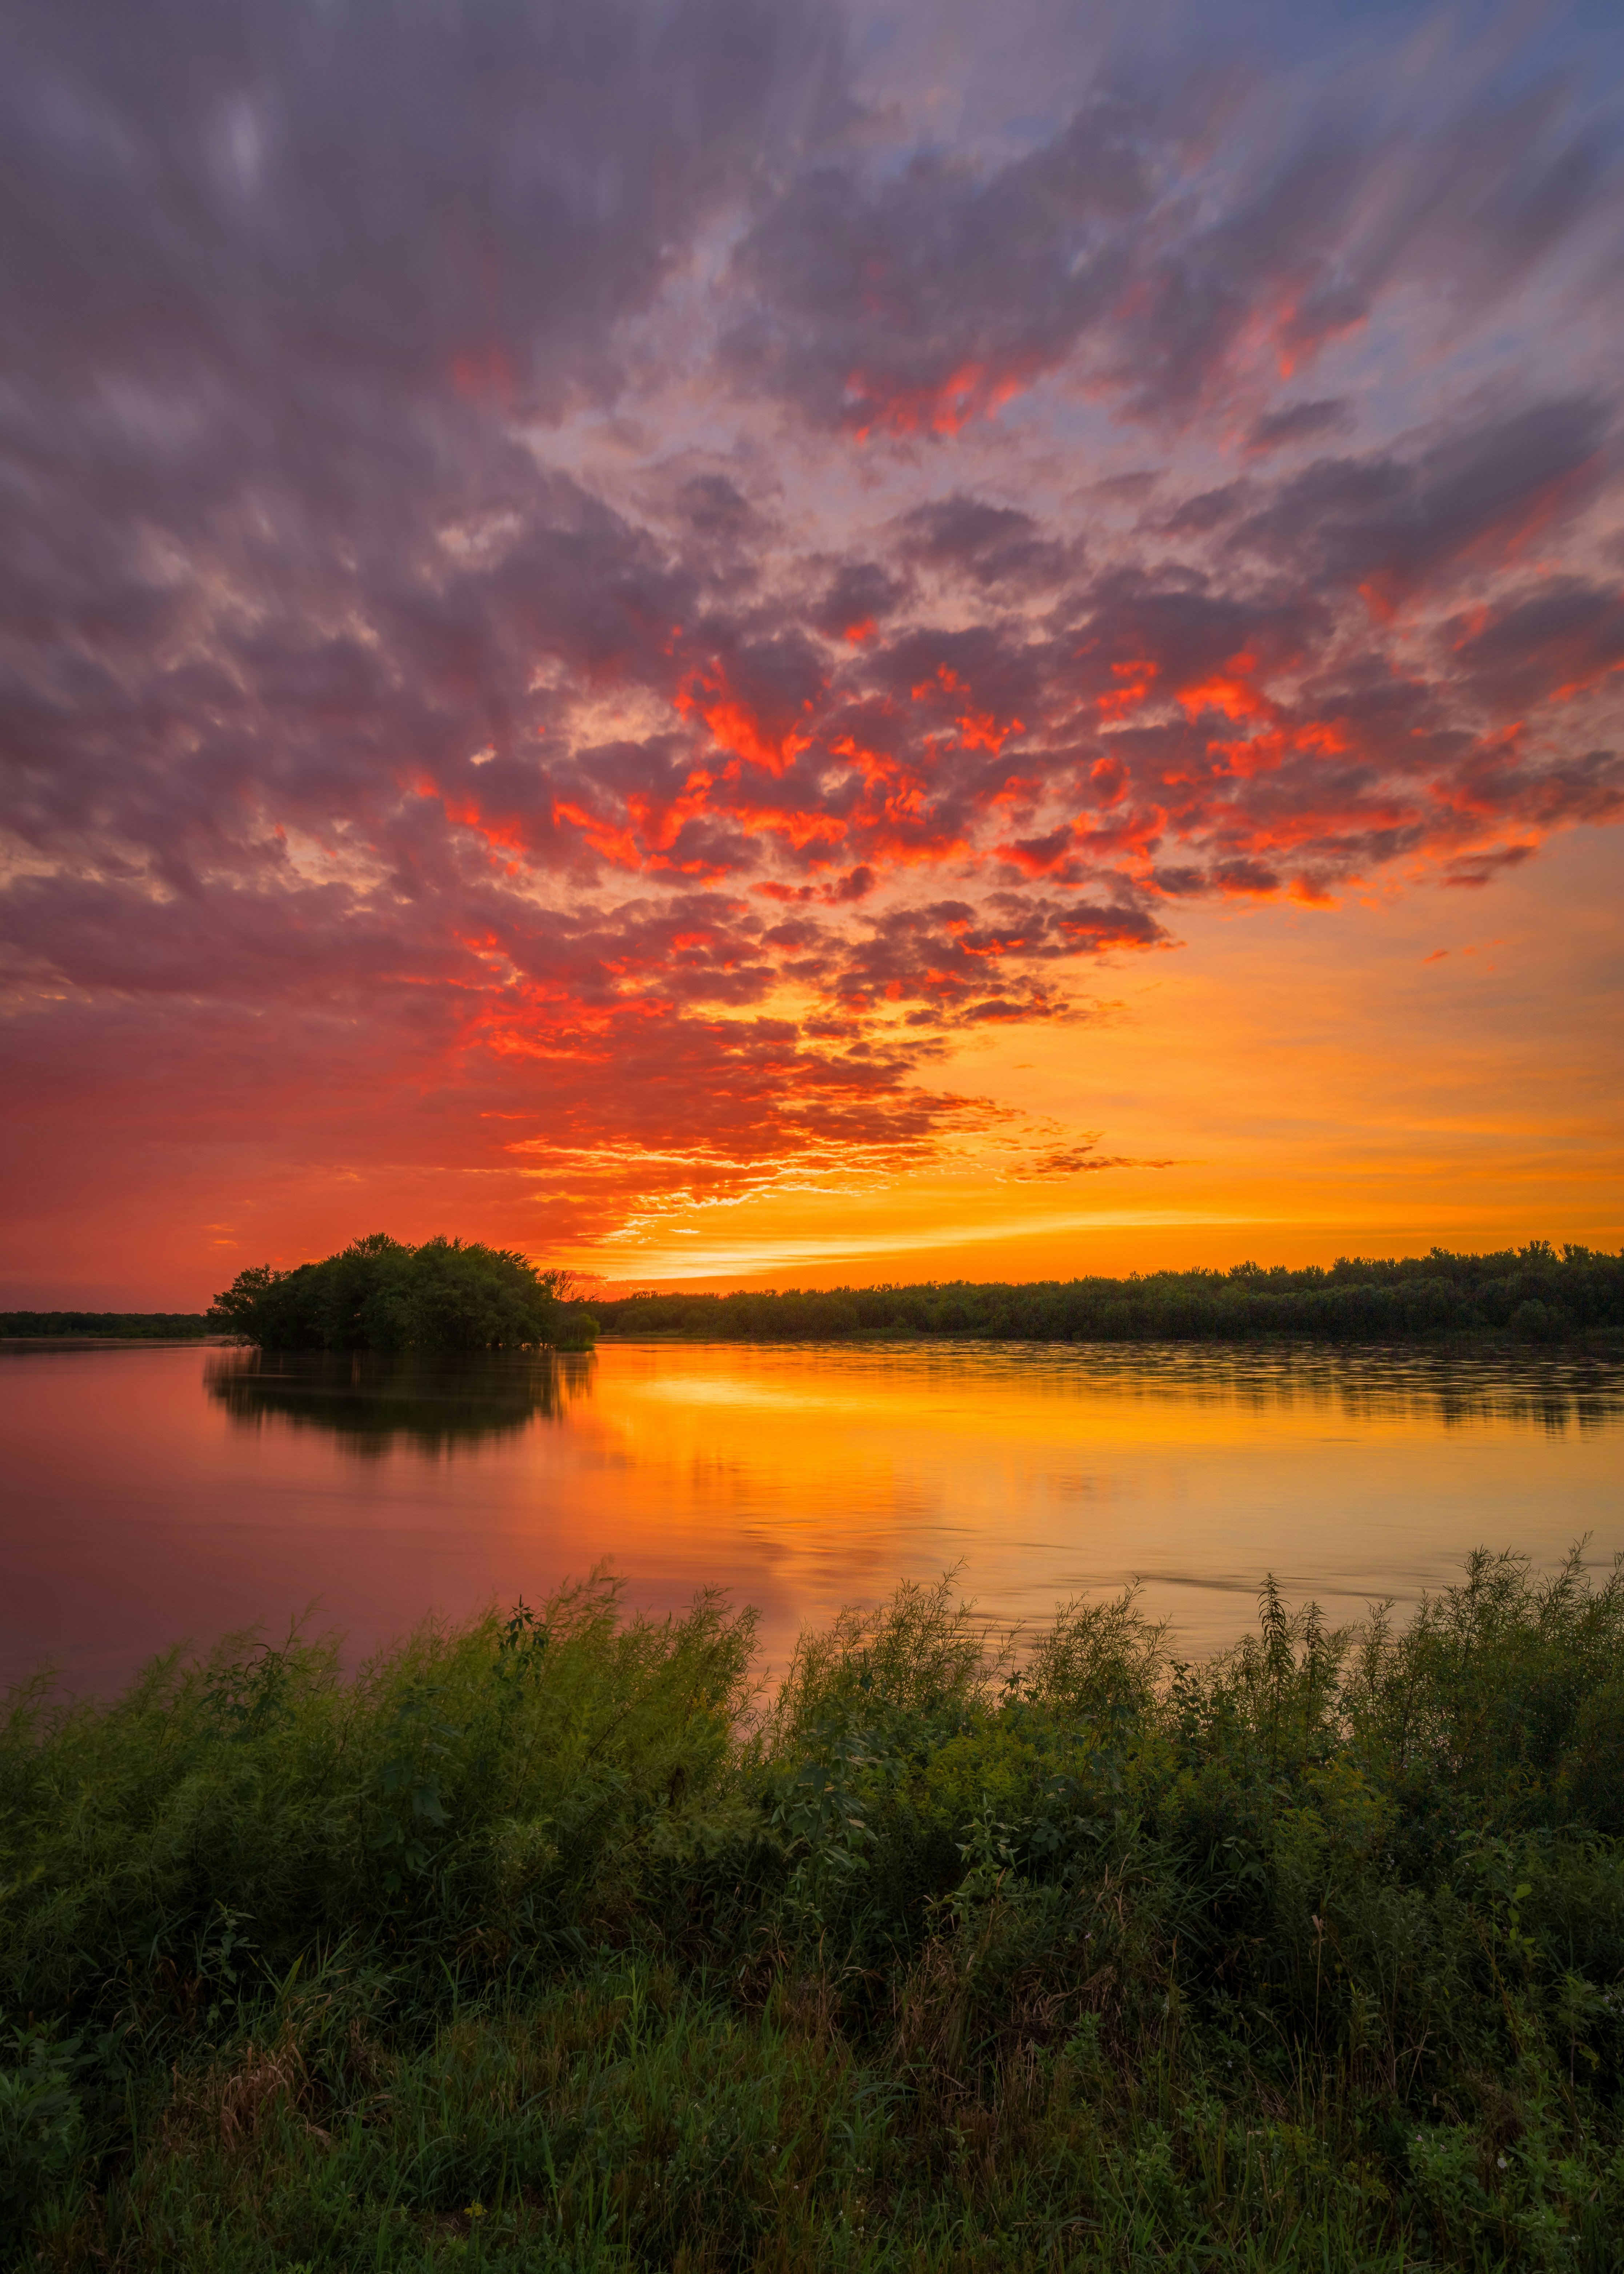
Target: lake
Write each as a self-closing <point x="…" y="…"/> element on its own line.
<point x="157" y="1493"/>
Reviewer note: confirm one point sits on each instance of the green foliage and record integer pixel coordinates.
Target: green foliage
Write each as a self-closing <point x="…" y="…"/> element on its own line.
<point x="544" y="1942"/>
<point x="1531" y="1294"/>
<point x="378" y="1295"/>
<point x="42" y="2125"/>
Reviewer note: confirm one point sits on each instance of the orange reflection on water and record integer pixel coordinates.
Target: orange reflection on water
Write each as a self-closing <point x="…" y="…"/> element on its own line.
<point x="157" y="1493"/>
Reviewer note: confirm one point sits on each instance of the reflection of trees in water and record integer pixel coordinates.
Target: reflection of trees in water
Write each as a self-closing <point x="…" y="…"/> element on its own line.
<point x="374" y="1401"/>
<point x="1550" y="1391"/>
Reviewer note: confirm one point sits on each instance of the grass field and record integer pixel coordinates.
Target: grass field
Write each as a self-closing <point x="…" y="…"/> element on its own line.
<point x="552" y="1943"/>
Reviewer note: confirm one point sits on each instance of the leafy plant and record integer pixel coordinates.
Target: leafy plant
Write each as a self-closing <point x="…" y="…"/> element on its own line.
<point x="541" y="1941"/>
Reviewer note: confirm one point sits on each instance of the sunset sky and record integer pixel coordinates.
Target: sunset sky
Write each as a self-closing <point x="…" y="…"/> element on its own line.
<point x="744" y="640"/>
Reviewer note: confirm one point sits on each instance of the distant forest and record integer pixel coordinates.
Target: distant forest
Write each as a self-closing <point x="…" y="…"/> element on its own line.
<point x="1533" y="1294"/>
<point x="127" y="1326"/>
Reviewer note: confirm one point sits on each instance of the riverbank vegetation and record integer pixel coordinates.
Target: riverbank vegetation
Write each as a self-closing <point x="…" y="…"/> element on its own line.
<point x="1532" y="1294"/>
<point x="378" y="1294"/>
<point x="551" y="1942"/>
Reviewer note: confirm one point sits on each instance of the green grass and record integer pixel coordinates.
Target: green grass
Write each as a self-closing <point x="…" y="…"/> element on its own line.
<point x="552" y="1943"/>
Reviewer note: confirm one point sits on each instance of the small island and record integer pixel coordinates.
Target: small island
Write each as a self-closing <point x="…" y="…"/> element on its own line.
<point x="380" y="1294"/>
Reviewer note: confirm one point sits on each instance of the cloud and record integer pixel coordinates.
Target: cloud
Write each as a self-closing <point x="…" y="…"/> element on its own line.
<point x="1548" y="643"/>
<point x="572" y="582"/>
<point x="1297" y="421"/>
<point x="413" y="197"/>
<point x="987" y="544"/>
<point x="1388" y="526"/>
<point x="1478" y="869"/>
<point x="917" y="301"/>
<point x="1193" y="232"/>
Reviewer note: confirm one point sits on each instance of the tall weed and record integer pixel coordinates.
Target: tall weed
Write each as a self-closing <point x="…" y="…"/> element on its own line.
<point x="544" y="1941"/>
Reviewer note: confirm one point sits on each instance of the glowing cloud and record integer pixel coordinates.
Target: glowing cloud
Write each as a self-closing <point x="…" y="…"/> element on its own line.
<point x="590" y="609"/>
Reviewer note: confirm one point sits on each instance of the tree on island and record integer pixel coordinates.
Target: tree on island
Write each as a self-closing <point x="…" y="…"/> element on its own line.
<point x="378" y="1294"/>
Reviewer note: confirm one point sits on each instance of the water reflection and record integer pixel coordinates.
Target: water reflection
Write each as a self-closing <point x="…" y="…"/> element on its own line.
<point x="1548" y="1391"/>
<point x="156" y="1493"/>
<point x="374" y="1403"/>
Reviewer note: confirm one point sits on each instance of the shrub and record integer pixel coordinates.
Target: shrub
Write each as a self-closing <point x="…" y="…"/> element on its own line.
<point x="542" y="1941"/>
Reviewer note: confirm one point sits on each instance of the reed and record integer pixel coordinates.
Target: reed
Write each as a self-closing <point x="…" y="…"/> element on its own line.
<point x="554" y="1941"/>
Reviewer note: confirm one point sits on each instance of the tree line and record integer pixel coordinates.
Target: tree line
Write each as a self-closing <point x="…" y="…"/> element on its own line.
<point x="1532" y="1294"/>
<point x="381" y="1294"/>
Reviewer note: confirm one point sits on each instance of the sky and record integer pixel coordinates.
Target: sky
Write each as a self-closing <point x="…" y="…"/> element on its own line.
<point x="757" y="642"/>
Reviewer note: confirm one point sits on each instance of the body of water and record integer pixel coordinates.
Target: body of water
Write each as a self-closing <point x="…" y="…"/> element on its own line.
<point x="156" y="1493"/>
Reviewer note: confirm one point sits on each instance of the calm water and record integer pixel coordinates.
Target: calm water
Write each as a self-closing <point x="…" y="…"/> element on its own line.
<point x="152" y="1494"/>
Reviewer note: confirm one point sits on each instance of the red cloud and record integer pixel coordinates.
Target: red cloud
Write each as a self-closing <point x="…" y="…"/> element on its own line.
<point x="463" y="687"/>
